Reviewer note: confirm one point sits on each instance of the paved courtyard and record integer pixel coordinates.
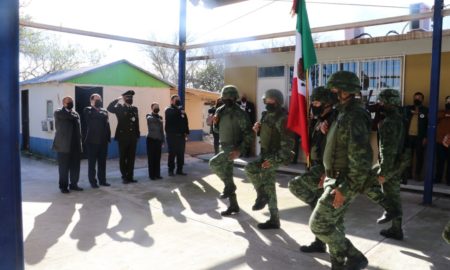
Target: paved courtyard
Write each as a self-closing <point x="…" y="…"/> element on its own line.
<point x="175" y="224"/>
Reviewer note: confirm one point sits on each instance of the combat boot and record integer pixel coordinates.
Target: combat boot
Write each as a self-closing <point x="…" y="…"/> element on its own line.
<point x="272" y="223"/>
<point x="315" y="247"/>
<point x="336" y="265"/>
<point x="387" y="216"/>
<point x="261" y="199"/>
<point x="233" y="208"/>
<point x="393" y="233"/>
<point x="355" y="259"/>
<point x="228" y="191"/>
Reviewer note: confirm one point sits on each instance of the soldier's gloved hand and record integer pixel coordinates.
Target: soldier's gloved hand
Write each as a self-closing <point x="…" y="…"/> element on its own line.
<point x="338" y="198"/>
<point x="266" y="164"/>
<point x="256" y="127"/>
<point x="215" y="119"/>
<point x="234" y="154"/>
<point x="322" y="180"/>
<point x="381" y="179"/>
<point x="324" y="127"/>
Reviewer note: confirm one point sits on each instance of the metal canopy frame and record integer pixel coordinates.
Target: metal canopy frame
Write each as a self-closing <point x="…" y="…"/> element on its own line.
<point x="11" y="238"/>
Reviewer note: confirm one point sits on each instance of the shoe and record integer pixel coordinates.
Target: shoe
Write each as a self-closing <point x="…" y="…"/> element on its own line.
<point x="392" y="233"/>
<point x="94" y="185"/>
<point x="270" y="224"/>
<point x="171" y="174"/>
<point x="230" y="211"/>
<point x="76" y="188"/>
<point x="126" y="182"/>
<point x="132" y="180"/>
<point x="315" y="247"/>
<point x="105" y="184"/>
<point x="159" y="177"/>
<point x="152" y="178"/>
<point x="356" y="262"/>
<point x="182" y="173"/>
<point x="65" y="190"/>
<point x="386" y="217"/>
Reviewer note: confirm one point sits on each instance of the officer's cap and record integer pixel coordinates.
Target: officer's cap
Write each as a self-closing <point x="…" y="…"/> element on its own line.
<point x="128" y="93"/>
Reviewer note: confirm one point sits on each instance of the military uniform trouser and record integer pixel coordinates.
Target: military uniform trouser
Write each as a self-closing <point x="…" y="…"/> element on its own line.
<point x="306" y="186"/>
<point x="263" y="179"/>
<point x="222" y="166"/>
<point x="326" y="223"/>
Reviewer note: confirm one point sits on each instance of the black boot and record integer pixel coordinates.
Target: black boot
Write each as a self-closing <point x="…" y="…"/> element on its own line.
<point x="355" y="259"/>
<point x="261" y="199"/>
<point x="393" y="233"/>
<point x="336" y="265"/>
<point x="227" y="191"/>
<point x="233" y="208"/>
<point x="272" y="223"/>
<point x="387" y="216"/>
<point x="315" y="247"/>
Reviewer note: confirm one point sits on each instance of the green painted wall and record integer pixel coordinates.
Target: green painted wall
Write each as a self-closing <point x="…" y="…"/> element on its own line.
<point x="120" y="74"/>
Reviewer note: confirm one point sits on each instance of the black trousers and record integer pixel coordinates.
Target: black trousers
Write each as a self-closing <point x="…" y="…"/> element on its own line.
<point x="68" y="166"/>
<point x="417" y="149"/>
<point x="97" y="156"/>
<point x="216" y="142"/>
<point x="442" y="156"/>
<point x="127" y="155"/>
<point x="177" y="145"/>
<point x="154" y="157"/>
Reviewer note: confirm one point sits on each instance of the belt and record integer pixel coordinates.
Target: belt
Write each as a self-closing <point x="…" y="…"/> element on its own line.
<point x="334" y="173"/>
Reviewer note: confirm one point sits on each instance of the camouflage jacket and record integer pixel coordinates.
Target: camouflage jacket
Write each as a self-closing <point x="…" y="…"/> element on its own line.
<point x="233" y="127"/>
<point x="276" y="140"/>
<point x="348" y="154"/>
<point x="317" y="138"/>
<point x="391" y="141"/>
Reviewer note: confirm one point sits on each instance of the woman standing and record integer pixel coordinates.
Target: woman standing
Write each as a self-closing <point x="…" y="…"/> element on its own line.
<point x="155" y="141"/>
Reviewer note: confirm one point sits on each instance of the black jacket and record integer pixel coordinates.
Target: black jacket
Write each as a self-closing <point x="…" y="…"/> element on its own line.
<point x="97" y="125"/>
<point x="250" y="110"/>
<point x="176" y="121"/>
<point x="155" y="127"/>
<point x="423" y="120"/>
<point x="68" y="131"/>
<point x="127" y="121"/>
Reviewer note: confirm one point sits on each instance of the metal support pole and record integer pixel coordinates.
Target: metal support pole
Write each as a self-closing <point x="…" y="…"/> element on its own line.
<point x="434" y="102"/>
<point x="182" y="52"/>
<point x="11" y="239"/>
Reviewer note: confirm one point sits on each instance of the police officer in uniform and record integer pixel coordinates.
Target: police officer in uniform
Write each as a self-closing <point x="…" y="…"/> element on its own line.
<point x="347" y="160"/>
<point x="127" y="133"/>
<point x="235" y="135"/>
<point x="276" y="145"/>
<point x="98" y="135"/>
<point x="308" y="187"/>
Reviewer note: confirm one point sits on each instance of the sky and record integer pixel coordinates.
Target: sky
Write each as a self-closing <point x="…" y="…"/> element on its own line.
<point x="158" y="20"/>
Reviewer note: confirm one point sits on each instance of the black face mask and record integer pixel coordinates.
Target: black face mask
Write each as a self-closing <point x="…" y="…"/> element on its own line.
<point x="317" y="111"/>
<point x="228" y="102"/>
<point x="156" y="111"/>
<point x="447" y="107"/>
<point x="417" y="102"/>
<point x="244" y="100"/>
<point x="129" y="101"/>
<point x="271" y="107"/>
<point x="69" y="105"/>
<point x="98" y="103"/>
<point x="177" y="102"/>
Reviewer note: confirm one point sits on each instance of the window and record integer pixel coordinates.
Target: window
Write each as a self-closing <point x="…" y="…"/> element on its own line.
<point x="49" y="109"/>
<point x="264" y="72"/>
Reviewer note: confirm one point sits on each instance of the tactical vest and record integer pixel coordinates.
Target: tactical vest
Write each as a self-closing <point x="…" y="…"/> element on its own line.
<point x="229" y="130"/>
<point x="269" y="134"/>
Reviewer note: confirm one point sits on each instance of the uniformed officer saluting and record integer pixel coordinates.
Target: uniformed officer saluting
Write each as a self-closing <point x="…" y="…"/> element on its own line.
<point x="127" y="133"/>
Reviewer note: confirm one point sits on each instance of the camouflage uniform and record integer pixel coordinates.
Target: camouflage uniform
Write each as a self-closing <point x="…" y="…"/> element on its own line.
<point x="276" y="144"/>
<point x="347" y="162"/>
<point x="235" y="133"/>
<point x="446" y="233"/>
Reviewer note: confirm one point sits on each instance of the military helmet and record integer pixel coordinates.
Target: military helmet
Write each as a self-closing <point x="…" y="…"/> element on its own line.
<point x="275" y="94"/>
<point x="229" y="92"/>
<point x="346" y="81"/>
<point x="390" y="97"/>
<point x="321" y="94"/>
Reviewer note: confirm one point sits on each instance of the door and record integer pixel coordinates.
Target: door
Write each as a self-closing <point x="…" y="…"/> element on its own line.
<point x="82" y="100"/>
<point x="25" y="120"/>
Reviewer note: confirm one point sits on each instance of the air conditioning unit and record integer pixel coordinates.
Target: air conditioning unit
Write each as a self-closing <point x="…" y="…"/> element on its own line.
<point x="48" y="125"/>
<point x="423" y="24"/>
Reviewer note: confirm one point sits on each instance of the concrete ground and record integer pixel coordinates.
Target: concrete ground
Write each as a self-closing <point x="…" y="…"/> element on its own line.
<point x="175" y="224"/>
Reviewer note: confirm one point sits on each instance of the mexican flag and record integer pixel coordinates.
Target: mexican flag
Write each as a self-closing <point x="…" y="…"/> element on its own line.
<point x="305" y="58"/>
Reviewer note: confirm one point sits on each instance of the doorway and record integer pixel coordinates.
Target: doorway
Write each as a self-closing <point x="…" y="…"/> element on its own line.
<point x="25" y="120"/>
<point x="82" y="100"/>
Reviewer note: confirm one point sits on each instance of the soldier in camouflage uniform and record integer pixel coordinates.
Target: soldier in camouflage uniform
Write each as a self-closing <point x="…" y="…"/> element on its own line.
<point x="235" y="136"/>
<point x="347" y="160"/>
<point x="308" y="187"/>
<point x="276" y="144"/>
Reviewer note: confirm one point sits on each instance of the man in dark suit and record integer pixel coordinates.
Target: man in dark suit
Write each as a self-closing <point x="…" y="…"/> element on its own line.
<point x="98" y="135"/>
<point x="67" y="144"/>
<point x="177" y="130"/>
<point x="417" y="116"/>
<point x="249" y="108"/>
<point x="127" y="133"/>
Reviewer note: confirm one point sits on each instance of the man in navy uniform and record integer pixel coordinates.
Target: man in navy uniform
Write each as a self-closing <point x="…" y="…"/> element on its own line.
<point x="98" y="135"/>
<point x="67" y="144"/>
<point x="127" y="133"/>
